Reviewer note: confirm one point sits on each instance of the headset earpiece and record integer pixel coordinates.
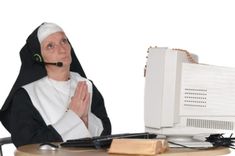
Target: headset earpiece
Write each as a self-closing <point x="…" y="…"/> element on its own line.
<point x="37" y="58"/>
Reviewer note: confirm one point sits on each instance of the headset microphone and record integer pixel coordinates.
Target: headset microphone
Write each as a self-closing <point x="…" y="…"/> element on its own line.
<point x="58" y="64"/>
<point x="37" y="57"/>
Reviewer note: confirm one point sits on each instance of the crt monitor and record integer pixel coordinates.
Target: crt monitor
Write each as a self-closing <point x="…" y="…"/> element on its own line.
<point x="184" y="98"/>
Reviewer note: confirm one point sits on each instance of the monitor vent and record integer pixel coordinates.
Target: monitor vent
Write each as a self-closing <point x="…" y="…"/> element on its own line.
<point x="195" y="97"/>
<point x="211" y="124"/>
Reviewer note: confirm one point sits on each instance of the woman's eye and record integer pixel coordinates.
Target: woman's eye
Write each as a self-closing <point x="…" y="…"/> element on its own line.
<point x="64" y="41"/>
<point x="50" y="46"/>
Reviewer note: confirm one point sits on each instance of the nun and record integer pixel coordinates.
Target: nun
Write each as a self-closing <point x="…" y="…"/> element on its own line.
<point x="52" y="100"/>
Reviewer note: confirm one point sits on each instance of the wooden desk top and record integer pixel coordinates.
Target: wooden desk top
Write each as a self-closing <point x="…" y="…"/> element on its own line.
<point x="33" y="150"/>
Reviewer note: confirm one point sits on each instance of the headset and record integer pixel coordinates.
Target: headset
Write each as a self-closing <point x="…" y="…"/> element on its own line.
<point x="38" y="58"/>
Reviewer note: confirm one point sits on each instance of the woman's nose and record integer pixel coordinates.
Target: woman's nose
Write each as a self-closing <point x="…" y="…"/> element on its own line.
<point x="61" y="49"/>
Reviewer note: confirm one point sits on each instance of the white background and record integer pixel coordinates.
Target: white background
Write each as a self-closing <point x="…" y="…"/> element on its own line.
<point x="111" y="38"/>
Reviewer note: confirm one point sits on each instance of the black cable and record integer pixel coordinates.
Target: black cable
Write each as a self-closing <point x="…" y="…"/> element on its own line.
<point x="219" y="140"/>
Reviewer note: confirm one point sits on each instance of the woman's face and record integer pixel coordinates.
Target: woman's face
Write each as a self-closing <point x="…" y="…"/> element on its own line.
<point x="56" y="48"/>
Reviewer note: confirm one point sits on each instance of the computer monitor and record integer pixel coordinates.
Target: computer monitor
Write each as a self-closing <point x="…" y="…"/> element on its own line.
<point x="184" y="98"/>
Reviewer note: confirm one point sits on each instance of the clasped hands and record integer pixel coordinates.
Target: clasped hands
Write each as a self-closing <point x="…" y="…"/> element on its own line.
<point x="80" y="101"/>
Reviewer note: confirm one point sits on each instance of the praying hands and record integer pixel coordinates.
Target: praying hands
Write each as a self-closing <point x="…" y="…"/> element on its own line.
<point x="80" y="101"/>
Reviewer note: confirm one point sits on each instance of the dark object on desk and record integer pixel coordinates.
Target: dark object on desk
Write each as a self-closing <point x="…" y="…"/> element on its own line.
<point x="104" y="141"/>
<point x="219" y="140"/>
<point x="48" y="146"/>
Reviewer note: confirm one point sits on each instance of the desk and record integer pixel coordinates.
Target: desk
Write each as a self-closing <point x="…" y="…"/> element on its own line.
<point x="33" y="150"/>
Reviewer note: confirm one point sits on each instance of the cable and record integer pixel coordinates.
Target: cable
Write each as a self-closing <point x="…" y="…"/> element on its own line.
<point x="219" y="140"/>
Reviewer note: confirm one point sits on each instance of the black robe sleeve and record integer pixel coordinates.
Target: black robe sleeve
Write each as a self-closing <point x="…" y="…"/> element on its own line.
<point x="98" y="108"/>
<point x="27" y="125"/>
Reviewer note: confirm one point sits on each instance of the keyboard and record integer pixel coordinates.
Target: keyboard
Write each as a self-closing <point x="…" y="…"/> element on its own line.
<point x="104" y="141"/>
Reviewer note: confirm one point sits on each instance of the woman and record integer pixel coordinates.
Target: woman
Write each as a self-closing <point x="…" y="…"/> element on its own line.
<point x="51" y="99"/>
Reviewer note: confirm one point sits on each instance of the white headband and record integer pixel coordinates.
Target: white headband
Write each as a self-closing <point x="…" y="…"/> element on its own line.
<point x="47" y="29"/>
